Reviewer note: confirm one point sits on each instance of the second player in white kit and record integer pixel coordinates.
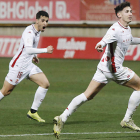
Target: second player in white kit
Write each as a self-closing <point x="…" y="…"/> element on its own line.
<point x="110" y="68"/>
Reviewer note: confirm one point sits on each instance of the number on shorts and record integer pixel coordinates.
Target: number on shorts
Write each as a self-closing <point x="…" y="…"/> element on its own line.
<point x="19" y="74"/>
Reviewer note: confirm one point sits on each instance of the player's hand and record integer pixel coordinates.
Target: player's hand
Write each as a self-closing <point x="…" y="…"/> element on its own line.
<point x="36" y="60"/>
<point x="50" y="49"/>
<point x="99" y="48"/>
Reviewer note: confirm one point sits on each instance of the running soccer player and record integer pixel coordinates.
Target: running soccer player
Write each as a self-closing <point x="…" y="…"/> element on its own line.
<point x="117" y="39"/>
<point x="21" y="66"/>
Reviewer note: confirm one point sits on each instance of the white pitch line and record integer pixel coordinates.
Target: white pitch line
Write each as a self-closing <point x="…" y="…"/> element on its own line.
<point x="22" y="135"/>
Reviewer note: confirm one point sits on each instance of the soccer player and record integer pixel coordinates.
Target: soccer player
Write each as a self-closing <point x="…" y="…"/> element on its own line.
<point x="117" y="39"/>
<point x="21" y="66"/>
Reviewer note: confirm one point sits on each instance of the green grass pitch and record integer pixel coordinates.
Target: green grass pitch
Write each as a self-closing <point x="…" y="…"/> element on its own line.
<point x="68" y="78"/>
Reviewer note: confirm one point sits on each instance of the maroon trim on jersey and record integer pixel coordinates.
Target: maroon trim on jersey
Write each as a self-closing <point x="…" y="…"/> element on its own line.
<point x="112" y="58"/>
<point x="17" y="58"/>
<point x="122" y="25"/>
<point x="35" y="29"/>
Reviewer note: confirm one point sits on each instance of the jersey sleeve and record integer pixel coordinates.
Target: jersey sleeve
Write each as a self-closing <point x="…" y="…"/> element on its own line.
<point x="28" y="38"/>
<point x="32" y="51"/>
<point x="110" y="36"/>
<point x="135" y="40"/>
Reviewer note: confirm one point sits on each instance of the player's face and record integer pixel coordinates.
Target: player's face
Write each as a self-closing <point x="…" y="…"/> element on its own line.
<point x="126" y="15"/>
<point x="42" y="23"/>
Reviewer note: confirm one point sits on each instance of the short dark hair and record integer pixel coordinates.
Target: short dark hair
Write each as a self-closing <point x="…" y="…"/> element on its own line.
<point x="42" y="13"/>
<point x="121" y="6"/>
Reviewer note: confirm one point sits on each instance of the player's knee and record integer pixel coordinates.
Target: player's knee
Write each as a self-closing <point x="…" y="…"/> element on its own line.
<point x="46" y="84"/>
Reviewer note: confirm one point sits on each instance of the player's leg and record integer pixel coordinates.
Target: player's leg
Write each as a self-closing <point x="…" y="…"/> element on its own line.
<point x="97" y="83"/>
<point x="41" y="80"/>
<point x="6" y="89"/>
<point x="93" y="88"/>
<point x="134" y="83"/>
<point x="133" y="103"/>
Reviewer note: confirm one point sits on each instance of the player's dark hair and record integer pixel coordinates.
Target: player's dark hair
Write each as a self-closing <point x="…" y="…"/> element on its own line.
<point x="121" y="6"/>
<point x="42" y="13"/>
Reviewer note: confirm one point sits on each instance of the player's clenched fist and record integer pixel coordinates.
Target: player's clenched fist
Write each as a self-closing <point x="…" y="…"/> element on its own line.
<point x="50" y="49"/>
<point x="99" y="48"/>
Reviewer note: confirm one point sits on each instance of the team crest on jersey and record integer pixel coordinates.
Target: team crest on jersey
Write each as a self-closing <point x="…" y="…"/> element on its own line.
<point x="29" y="32"/>
<point x="113" y="29"/>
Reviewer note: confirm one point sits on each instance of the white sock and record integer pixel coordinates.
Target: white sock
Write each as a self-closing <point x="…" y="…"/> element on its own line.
<point x="1" y="95"/>
<point x="75" y="103"/>
<point x="39" y="97"/>
<point x="133" y="103"/>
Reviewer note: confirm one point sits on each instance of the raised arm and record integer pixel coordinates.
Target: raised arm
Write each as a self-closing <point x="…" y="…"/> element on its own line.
<point x="31" y="50"/>
<point x="28" y="44"/>
<point x="108" y="38"/>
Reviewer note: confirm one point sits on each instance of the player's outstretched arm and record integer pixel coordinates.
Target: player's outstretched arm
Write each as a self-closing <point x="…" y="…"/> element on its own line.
<point x="31" y="51"/>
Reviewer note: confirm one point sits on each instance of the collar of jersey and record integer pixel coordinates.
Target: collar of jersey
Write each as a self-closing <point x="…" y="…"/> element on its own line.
<point x="34" y="29"/>
<point x="122" y="25"/>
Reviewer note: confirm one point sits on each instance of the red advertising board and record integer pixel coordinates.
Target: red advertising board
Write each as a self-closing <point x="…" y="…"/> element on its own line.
<point x="21" y="11"/>
<point x="103" y="10"/>
<point x="64" y="47"/>
<point x="25" y="11"/>
<point x="71" y="47"/>
<point x="9" y="45"/>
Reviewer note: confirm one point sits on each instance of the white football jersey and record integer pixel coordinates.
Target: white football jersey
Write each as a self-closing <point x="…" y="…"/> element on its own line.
<point x="30" y="38"/>
<point x="118" y="38"/>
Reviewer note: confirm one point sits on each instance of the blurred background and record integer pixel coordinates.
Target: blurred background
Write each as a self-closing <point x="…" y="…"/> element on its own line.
<point x="75" y="26"/>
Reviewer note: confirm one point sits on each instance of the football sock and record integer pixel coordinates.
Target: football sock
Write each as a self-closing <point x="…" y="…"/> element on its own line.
<point x="133" y="103"/>
<point x="39" y="97"/>
<point x="33" y="111"/>
<point x="1" y="95"/>
<point x="75" y="103"/>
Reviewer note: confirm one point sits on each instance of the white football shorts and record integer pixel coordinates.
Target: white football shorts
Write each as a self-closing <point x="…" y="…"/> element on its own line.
<point x="120" y="77"/>
<point x="16" y="74"/>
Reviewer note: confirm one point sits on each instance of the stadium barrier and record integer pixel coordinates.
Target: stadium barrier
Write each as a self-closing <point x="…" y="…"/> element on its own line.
<point x="64" y="47"/>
